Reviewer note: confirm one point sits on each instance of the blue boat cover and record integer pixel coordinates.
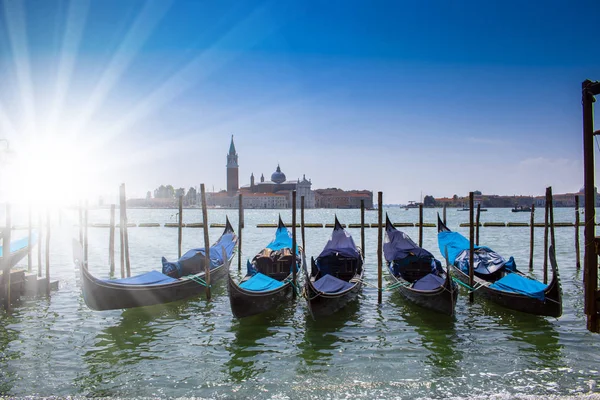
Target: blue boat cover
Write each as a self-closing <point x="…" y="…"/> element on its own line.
<point x="399" y="245"/>
<point x="19" y="244"/>
<point x="261" y="283"/>
<point x="189" y="262"/>
<point x="485" y="259"/>
<point x="340" y="243"/>
<point x="331" y="284"/>
<point x="147" y="278"/>
<point x="283" y="239"/>
<point x="516" y="283"/>
<point x="429" y="282"/>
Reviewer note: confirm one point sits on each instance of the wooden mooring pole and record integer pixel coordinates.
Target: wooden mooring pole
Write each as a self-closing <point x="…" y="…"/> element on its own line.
<point x="577" y="255"/>
<point x="6" y="259"/>
<point x="302" y="221"/>
<point x="589" y="90"/>
<point x="471" y="247"/>
<point x="80" y="223"/>
<point x="294" y="243"/>
<point x="206" y="241"/>
<point x="111" y="241"/>
<point x="240" y="228"/>
<point x="379" y="246"/>
<point x="478" y="215"/>
<point x="121" y="233"/>
<point x="48" y="252"/>
<point x="180" y="227"/>
<point x="551" y="215"/>
<point x="39" y="246"/>
<point x="362" y="228"/>
<point x="125" y="234"/>
<point x="531" y="236"/>
<point x="546" y="226"/>
<point x="420" y="224"/>
<point x="29" y="240"/>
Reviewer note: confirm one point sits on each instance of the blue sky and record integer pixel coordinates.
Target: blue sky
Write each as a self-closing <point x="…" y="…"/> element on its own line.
<point x="438" y="97"/>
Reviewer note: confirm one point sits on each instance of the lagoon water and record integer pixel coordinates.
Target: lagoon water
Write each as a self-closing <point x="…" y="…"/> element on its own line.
<point x="195" y="348"/>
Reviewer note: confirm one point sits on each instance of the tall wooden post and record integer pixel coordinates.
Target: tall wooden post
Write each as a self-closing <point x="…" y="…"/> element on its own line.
<point x="420" y="224"/>
<point x="179" y="227"/>
<point x="29" y="240"/>
<point x="125" y="234"/>
<point x="444" y="213"/>
<point x="121" y="232"/>
<point x="85" y="234"/>
<point x="39" y="246"/>
<point x="590" y="264"/>
<point x="294" y="243"/>
<point x="379" y="246"/>
<point x="111" y="241"/>
<point x="206" y="241"/>
<point x="471" y="247"/>
<point x="551" y="215"/>
<point x="302" y="222"/>
<point x="546" y="225"/>
<point x="362" y="228"/>
<point x="6" y="259"/>
<point x="477" y="224"/>
<point x="240" y="228"/>
<point x="577" y="256"/>
<point x="80" y="223"/>
<point x="531" y="236"/>
<point x="48" y="252"/>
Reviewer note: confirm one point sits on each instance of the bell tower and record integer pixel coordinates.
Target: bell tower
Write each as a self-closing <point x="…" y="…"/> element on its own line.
<point x="232" y="170"/>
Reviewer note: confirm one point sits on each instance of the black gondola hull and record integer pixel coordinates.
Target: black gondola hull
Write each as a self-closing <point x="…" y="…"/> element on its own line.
<point x="323" y="304"/>
<point x="102" y="295"/>
<point x="245" y="303"/>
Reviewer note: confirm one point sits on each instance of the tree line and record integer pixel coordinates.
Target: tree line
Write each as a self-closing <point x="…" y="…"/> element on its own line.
<point x="169" y="192"/>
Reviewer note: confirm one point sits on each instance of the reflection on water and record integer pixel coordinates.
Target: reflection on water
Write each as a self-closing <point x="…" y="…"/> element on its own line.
<point x="322" y="337"/>
<point x="7" y="335"/>
<point x="438" y="335"/>
<point x="248" y="356"/>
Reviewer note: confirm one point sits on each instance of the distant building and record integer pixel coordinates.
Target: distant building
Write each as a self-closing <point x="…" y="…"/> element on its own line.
<point x="233" y="182"/>
<point x="338" y="198"/>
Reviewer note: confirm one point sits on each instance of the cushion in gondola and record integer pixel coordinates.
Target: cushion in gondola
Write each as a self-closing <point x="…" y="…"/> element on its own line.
<point x="429" y="282"/>
<point x="331" y="284"/>
<point x="147" y="278"/>
<point x="516" y="283"/>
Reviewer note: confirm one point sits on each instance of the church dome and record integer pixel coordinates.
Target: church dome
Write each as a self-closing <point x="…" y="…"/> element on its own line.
<point x="278" y="176"/>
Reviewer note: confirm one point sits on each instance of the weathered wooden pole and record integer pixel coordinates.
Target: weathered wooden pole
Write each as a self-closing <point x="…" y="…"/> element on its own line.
<point x="48" y="252"/>
<point x="240" y="228"/>
<point x="180" y="227"/>
<point x="294" y="243"/>
<point x="546" y="225"/>
<point x="80" y="223"/>
<point x="577" y="256"/>
<point x="420" y="224"/>
<point x="302" y="222"/>
<point x="111" y="241"/>
<point x="531" y="236"/>
<point x="477" y="224"/>
<point x="444" y="213"/>
<point x="471" y="247"/>
<point x="362" y="228"/>
<point x="85" y="235"/>
<point x="125" y="234"/>
<point x="121" y="232"/>
<point x="379" y="246"/>
<point x="590" y="89"/>
<point x="29" y="239"/>
<point x="551" y="214"/>
<point x="6" y="259"/>
<point x="206" y="241"/>
<point x="39" y="246"/>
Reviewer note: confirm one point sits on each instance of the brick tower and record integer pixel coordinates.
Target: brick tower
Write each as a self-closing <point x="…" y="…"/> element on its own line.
<point x="232" y="170"/>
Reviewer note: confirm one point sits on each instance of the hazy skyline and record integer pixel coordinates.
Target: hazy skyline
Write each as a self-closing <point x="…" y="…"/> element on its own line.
<point x="404" y="97"/>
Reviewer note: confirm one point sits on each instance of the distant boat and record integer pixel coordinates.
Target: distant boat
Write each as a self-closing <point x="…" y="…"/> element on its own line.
<point x="19" y="248"/>
<point x="521" y="209"/>
<point x="475" y="209"/>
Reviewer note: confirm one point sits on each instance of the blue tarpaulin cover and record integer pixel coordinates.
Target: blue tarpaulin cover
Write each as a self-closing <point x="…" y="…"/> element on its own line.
<point x="486" y="260"/>
<point x="16" y="245"/>
<point x="147" y="278"/>
<point x="516" y="283"/>
<point x="261" y="283"/>
<point x="340" y="243"/>
<point x="429" y="282"/>
<point x="331" y="284"/>
<point x="399" y="245"/>
<point x="283" y="239"/>
<point x="192" y="259"/>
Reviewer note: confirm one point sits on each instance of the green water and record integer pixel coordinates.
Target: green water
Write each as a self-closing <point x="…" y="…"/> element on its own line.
<point x="195" y="348"/>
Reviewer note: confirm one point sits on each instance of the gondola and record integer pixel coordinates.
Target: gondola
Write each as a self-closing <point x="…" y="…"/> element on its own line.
<point x="336" y="275"/>
<point x="178" y="280"/>
<point x="499" y="280"/>
<point x="416" y="274"/>
<point x="19" y="249"/>
<point x="268" y="282"/>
